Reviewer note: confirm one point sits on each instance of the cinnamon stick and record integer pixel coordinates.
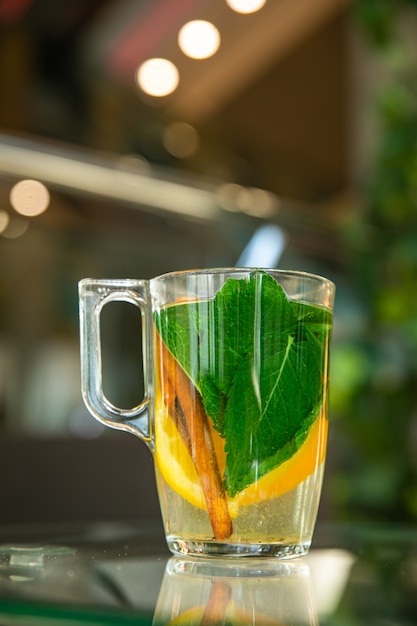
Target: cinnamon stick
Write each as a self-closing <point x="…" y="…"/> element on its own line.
<point x="186" y="408"/>
<point x="216" y="607"/>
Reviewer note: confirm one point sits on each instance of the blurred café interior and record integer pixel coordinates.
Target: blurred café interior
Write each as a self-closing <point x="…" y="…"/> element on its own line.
<point x="288" y="139"/>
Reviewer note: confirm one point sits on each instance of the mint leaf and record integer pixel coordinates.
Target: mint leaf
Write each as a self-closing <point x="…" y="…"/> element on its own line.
<point x="257" y="360"/>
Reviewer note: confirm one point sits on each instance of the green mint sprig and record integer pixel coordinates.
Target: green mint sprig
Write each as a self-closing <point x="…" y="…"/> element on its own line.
<point x="258" y="361"/>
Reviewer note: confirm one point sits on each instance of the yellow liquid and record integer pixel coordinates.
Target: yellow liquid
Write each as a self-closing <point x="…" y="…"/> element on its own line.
<point x="275" y="515"/>
<point x="284" y="521"/>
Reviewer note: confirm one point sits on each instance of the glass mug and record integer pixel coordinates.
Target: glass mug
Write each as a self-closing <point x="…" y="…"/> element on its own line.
<point x="235" y="365"/>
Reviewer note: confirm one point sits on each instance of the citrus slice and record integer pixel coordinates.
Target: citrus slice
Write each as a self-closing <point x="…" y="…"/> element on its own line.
<point x="233" y="616"/>
<point x="173" y="459"/>
<point x="177" y="468"/>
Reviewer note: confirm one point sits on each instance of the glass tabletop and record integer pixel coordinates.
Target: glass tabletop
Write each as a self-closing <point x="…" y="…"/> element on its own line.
<point x="123" y="574"/>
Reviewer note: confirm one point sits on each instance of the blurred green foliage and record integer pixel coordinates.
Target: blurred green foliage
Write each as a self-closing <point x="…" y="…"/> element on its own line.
<point x="378" y="18"/>
<point x="374" y="372"/>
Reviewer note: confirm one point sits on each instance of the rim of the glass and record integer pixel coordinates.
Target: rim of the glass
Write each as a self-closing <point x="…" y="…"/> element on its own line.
<point x="247" y="270"/>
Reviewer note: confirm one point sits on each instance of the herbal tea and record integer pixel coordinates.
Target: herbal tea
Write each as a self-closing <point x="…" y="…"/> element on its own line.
<point x="240" y="417"/>
<point x="235" y="366"/>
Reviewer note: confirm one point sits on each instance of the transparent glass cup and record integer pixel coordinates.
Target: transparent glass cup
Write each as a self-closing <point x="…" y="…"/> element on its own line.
<point x="235" y="364"/>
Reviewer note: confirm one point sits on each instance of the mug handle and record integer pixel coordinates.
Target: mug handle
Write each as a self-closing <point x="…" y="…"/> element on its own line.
<point x="94" y="294"/>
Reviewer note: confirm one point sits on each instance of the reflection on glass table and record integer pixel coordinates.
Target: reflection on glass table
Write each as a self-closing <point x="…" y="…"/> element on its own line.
<point x="250" y="591"/>
<point x="121" y="574"/>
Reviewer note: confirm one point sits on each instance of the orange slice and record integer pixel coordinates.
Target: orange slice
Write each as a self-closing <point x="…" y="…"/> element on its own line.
<point x="233" y="615"/>
<point x="176" y="466"/>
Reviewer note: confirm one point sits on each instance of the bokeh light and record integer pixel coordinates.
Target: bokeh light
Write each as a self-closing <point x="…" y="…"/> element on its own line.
<point x="181" y="139"/>
<point x="4" y="220"/>
<point x="29" y="197"/>
<point x="157" y="77"/>
<point x="246" y="6"/>
<point x="16" y="227"/>
<point x="199" y="39"/>
<point x="249" y="200"/>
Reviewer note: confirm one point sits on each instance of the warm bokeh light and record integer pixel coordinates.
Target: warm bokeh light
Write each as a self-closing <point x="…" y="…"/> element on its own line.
<point x="181" y="139"/>
<point x="4" y="220"/>
<point x="157" y="77"/>
<point x="16" y="228"/>
<point x="134" y="164"/>
<point x="246" y="6"/>
<point x="29" y="198"/>
<point x="249" y="200"/>
<point x="261" y="203"/>
<point x="199" y="39"/>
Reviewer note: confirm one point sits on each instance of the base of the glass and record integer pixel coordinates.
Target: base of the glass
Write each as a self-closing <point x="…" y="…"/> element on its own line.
<point x="228" y="549"/>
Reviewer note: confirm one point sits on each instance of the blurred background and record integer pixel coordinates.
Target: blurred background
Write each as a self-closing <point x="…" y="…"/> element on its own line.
<point x="287" y="138"/>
